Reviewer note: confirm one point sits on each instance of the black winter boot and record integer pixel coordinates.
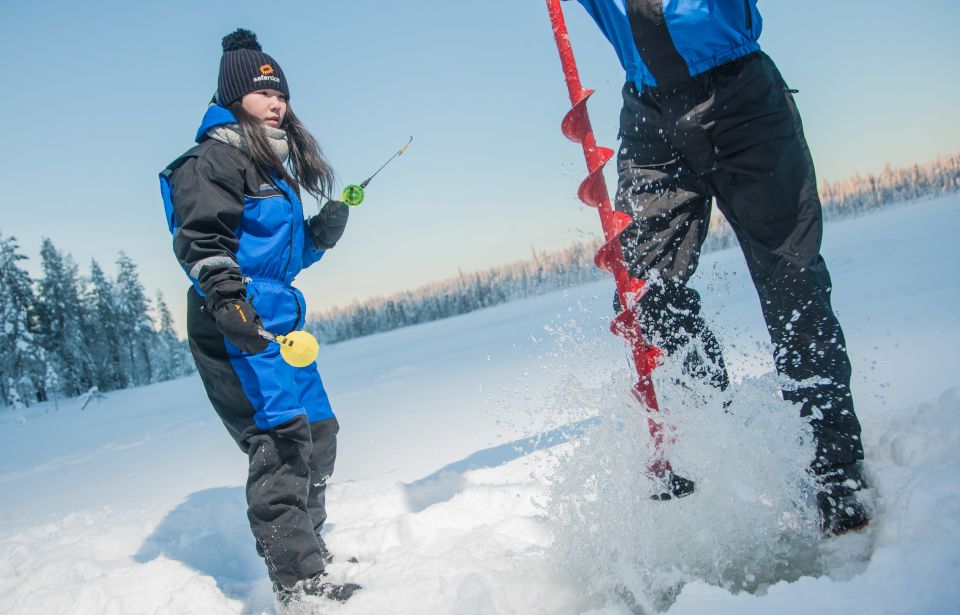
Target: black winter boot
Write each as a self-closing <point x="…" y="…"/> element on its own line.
<point x="839" y="500"/>
<point x="317" y="587"/>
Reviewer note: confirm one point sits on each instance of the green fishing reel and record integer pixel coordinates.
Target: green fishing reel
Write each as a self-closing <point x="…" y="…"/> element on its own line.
<point x="353" y="195"/>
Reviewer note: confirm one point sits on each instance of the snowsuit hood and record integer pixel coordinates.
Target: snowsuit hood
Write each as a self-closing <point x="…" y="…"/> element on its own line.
<point x="215" y="116"/>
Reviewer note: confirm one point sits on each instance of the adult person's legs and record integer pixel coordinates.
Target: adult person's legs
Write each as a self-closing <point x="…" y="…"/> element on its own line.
<point x="670" y="207"/>
<point x="735" y="133"/>
<point x="766" y="187"/>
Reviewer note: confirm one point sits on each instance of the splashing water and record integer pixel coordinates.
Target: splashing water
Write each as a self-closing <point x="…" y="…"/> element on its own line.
<point x="750" y="523"/>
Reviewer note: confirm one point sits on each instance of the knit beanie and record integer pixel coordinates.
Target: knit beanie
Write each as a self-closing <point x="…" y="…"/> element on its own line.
<point x="245" y="68"/>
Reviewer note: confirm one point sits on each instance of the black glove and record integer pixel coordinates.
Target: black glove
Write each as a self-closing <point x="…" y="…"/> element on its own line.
<point x="240" y="323"/>
<point x="326" y="228"/>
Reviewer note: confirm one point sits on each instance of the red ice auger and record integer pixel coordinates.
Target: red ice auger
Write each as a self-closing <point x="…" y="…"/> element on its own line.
<point x="593" y="192"/>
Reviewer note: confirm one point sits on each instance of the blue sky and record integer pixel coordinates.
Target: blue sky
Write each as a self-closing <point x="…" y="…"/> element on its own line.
<point x="102" y="95"/>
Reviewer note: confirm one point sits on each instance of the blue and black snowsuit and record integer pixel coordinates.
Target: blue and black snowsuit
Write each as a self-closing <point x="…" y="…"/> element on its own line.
<point x="707" y="115"/>
<point x="238" y="234"/>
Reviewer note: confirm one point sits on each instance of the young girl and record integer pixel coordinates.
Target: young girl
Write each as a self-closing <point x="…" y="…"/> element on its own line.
<point x="233" y="206"/>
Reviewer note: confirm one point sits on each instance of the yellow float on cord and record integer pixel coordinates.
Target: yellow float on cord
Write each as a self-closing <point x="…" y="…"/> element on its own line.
<point x="298" y="348"/>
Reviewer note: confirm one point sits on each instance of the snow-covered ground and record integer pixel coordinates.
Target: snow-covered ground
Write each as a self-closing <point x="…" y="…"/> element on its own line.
<point x="493" y="463"/>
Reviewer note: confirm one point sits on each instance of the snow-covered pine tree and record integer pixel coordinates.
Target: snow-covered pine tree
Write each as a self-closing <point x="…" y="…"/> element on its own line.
<point x="163" y="350"/>
<point x="76" y="340"/>
<point x="21" y="373"/>
<point x="175" y="360"/>
<point x="59" y="314"/>
<point x="100" y="316"/>
<point x="52" y="382"/>
<point x="133" y="324"/>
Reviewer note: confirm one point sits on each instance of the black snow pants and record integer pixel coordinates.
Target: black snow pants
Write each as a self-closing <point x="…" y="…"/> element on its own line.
<point x="734" y="134"/>
<point x="289" y="465"/>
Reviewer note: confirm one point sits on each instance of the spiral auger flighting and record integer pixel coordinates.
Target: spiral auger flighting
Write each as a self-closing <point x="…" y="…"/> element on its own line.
<point x="593" y="192"/>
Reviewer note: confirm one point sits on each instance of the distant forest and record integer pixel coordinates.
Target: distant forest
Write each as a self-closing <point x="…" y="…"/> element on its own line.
<point x="67" y="334"/>
<point x="547" y="272"/>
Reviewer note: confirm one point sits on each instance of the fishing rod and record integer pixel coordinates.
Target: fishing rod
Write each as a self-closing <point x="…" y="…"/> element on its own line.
<point x="299" y="348"/>
<point x="353" y="194"/>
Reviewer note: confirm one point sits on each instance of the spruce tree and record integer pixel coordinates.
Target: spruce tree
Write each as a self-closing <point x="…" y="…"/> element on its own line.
<point x="133" y="324"/>
<point x="59" y="314"/>
<point x="99" y="324"/>
<point x="76" y="342"/>
<point x="176" y="361"/>
<point x="21" y="372"/>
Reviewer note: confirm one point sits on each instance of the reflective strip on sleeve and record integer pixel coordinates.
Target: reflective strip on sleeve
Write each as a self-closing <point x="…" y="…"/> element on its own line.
<point x="212" y="261"/>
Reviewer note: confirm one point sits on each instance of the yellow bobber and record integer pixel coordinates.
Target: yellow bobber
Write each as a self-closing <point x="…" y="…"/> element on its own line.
<point x="298" y="348"/>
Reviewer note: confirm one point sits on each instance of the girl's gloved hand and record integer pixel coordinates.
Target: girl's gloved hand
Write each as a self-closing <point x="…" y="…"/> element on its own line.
<point x="240" y="323"/>
<point x="326" y="228"/>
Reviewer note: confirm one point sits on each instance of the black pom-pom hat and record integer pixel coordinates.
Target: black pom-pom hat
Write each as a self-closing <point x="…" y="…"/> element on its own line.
<point x="245" y="68"/>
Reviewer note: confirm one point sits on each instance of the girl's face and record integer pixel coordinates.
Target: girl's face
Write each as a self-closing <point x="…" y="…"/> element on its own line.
<point x="268" y="106"/>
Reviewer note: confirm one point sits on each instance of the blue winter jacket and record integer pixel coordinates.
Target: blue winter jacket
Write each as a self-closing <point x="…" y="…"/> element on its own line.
<point x="676" y="38"/>
<point x="265" y="238"/>
<point x="238" y="234"/>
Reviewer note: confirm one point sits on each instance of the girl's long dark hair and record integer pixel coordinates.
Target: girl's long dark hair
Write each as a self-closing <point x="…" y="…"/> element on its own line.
<point x="311" y="171"/>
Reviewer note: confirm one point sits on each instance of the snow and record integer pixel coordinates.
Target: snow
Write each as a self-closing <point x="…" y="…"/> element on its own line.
<point x="493" y="463"/>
